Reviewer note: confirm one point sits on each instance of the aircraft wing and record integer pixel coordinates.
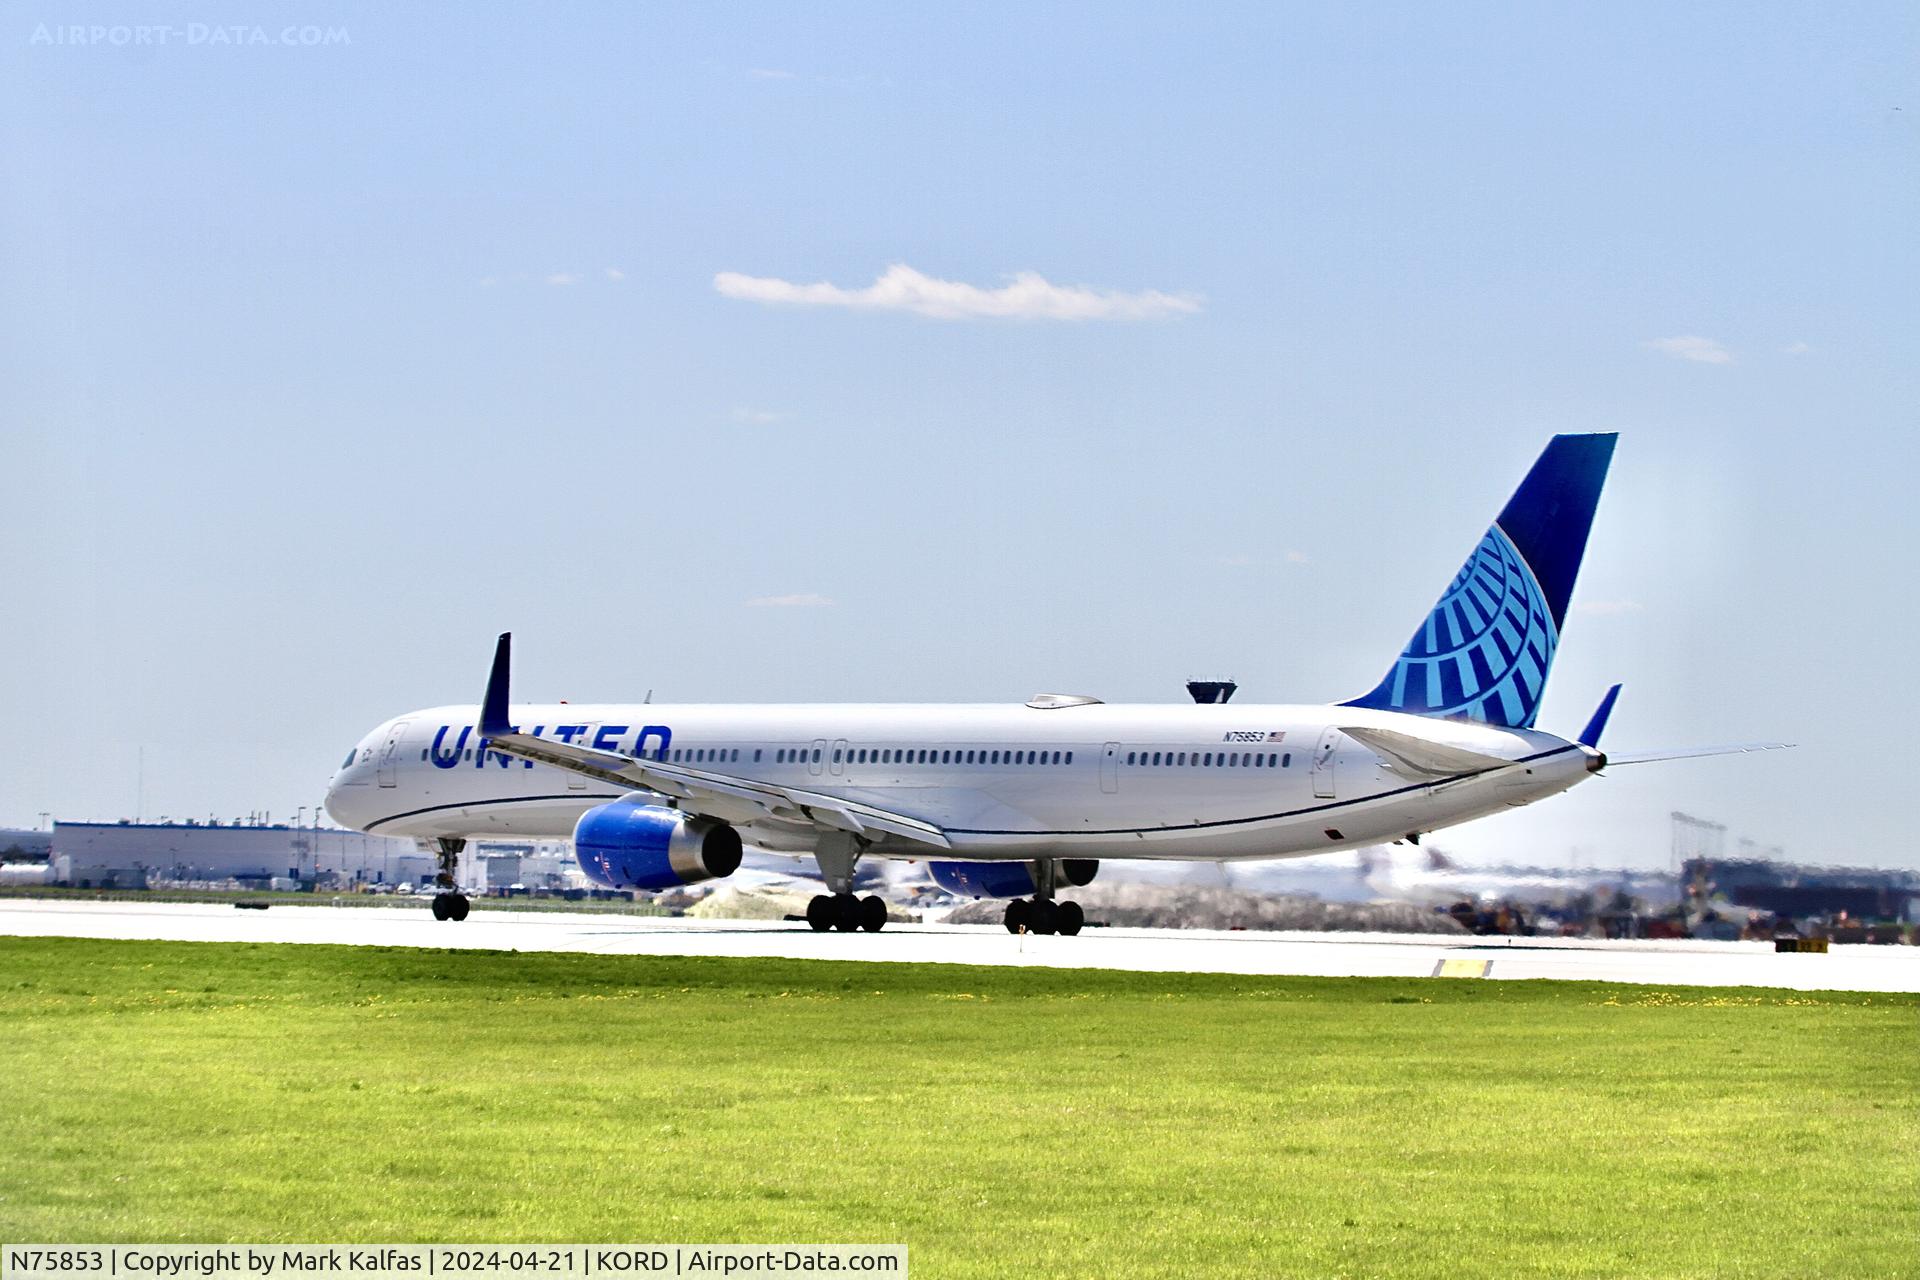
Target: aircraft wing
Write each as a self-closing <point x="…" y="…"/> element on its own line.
<point x="1421" y="756"/>
<point x="1688" y="753"/>
<point x="703" y="791"/>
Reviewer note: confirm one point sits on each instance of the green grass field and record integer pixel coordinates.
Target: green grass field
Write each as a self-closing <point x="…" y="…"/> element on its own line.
<point x="997" y="1121"/>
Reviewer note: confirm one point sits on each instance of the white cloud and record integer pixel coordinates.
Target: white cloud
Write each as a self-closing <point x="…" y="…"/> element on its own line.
<point x="614" y="273"/>
<point x="1795" y="349"/>
<point x="1297" y="557"/>
<point x="1028" y="296"/>
<point x="1607" y="608"/>
<point x="1692" y="347"/>
<point x="803" y="600"/>
<point x="757" y="417"/>
<point x="563" y="277"/>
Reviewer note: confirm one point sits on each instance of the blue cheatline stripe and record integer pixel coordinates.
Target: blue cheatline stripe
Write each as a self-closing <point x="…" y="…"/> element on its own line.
<point x="481" y="804"/>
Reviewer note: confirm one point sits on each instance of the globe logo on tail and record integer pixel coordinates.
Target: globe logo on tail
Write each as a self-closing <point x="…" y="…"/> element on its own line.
<point x="1485" y="650"/>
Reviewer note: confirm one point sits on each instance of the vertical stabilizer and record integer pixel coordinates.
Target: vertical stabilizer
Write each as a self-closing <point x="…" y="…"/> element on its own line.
<point x="1485" y="651"/>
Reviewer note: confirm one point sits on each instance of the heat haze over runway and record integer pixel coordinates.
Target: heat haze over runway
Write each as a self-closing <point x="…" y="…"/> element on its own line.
<point x="1687" y="962"/>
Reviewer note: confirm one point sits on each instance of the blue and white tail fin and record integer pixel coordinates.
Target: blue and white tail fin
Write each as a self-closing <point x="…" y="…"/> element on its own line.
<point x="1485" y="650"/>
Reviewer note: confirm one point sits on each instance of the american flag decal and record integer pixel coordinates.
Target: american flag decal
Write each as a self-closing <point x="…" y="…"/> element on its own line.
<point x="1278" y="735"/>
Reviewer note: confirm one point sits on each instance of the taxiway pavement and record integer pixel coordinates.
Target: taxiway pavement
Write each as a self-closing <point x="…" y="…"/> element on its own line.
<point x="1695" y="963"/>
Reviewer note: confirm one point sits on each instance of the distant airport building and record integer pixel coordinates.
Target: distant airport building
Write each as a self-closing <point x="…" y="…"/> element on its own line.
<point x="20" y="845"/>
<point x="1800" y="892"/>
<point x="532" y="865"/>
<point x="130" y="854"/>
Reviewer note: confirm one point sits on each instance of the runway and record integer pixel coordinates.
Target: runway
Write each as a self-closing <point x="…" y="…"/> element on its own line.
<point x="1694" y="963"/>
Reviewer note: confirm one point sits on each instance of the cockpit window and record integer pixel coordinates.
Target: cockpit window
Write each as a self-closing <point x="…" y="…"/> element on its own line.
<point x="348" y="762"/>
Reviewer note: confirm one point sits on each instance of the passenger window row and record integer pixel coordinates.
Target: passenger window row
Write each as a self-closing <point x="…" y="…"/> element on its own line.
<point x="936" y="755"/>
<point x="1212" y="759"/>
<point x="922" y="755"/>
<point x="706" y="755"/>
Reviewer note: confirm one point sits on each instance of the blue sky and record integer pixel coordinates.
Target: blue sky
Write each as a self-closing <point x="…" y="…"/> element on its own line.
<point x="324" y="363"/>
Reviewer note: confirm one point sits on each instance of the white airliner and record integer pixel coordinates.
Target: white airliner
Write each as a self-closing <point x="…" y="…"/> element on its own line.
<point x="1020" y="801"/>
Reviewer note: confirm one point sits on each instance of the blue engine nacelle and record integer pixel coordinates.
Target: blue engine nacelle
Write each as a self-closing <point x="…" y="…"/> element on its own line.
<point x="1005" y="879"/>
<point x="630" y="844"/>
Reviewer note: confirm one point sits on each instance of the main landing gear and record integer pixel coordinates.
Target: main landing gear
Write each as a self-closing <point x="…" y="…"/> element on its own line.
<point x="1041" y="914"/>
<point x="449" y="903"/>
<point x="845" y="912"/>
<point x="840" y="909"/>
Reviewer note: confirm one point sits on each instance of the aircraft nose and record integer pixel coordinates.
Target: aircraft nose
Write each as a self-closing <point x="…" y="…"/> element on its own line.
<point x="345" y="791"/>
<point x="338" y="807"/>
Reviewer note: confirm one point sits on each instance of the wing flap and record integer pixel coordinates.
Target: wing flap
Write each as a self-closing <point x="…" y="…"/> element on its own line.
<point x="1422" y="757"/>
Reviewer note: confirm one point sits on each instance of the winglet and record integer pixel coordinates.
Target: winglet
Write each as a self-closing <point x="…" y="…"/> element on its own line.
<point x="493" y="708"/>
<point x="1590" y="736"/>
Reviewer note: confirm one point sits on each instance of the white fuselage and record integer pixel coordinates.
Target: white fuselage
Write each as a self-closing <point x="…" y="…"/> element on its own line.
<point x="1213" y="781"/>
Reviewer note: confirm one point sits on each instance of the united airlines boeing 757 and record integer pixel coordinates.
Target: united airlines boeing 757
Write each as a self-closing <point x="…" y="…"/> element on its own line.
<point x="1024" y="801"/>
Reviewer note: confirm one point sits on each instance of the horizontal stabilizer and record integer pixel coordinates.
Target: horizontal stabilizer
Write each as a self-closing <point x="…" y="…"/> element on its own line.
<point x="1590" y="736"/>
<point x="1688" y="753"/>
<point x="1421" y="756"/>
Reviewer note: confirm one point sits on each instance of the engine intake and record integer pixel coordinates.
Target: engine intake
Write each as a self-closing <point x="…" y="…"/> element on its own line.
<point x="629" y="844"/>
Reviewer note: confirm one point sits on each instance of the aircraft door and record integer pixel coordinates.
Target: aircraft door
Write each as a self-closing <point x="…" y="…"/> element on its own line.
<point x="835" y="761"/>
<point x="1325" y="756"/>
<point x="1110" y="768"/>
<point x="390" y="755"/>
<point x="817" y="757"/>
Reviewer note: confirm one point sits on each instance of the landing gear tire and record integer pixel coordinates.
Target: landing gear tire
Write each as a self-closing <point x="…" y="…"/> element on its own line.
<point x="1068" y="917"/>
<point x="1017" y="915"/>
<point x="448" y="903"/>
<point x="873" y="913"/>
<point x="1042" y="916"/>
<point x="846" y="912"/>
<point x="821" y="913"/>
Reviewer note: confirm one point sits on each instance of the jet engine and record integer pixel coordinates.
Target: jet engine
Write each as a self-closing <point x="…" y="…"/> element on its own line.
<point x="630" y="844"/>
<point x="1006" y="879"/>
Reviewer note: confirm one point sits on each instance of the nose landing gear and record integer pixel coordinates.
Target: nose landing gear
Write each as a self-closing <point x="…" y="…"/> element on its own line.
<point x="449" y="903"/>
